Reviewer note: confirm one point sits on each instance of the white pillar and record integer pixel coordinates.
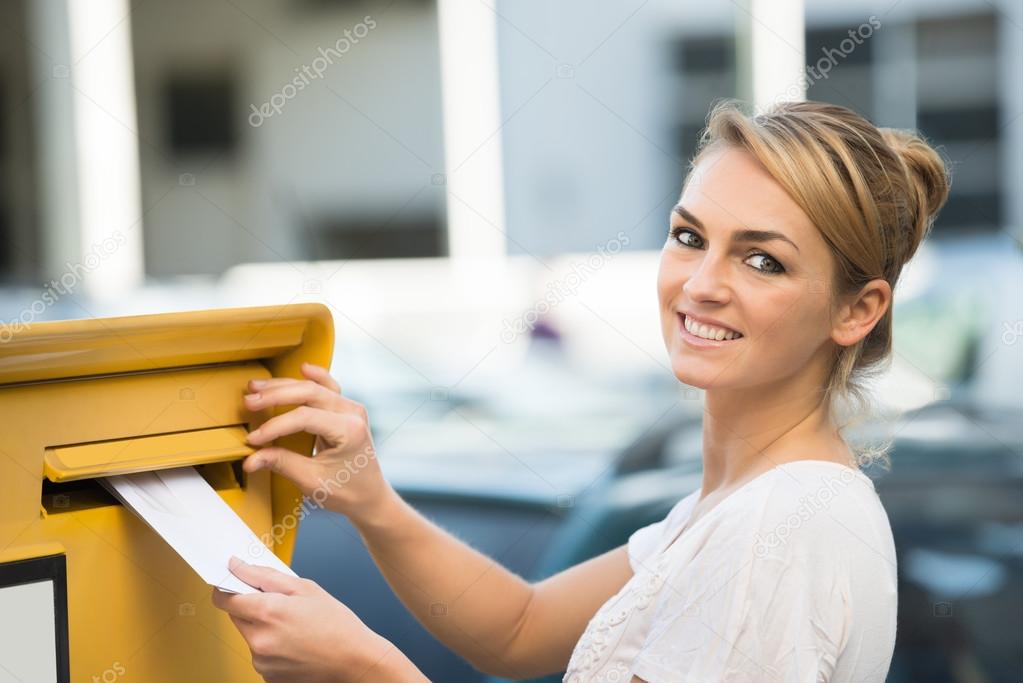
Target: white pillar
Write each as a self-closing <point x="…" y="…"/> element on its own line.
<point x="106" y="137"/>
<point x="60" y="240"/>
<point x="472" y="135"/>
<point x="777" y="51"/>
<point x="88" y="146"/>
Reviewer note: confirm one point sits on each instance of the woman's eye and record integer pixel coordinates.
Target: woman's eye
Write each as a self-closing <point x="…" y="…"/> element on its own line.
<point x="766" y="264"/>
<point x="687" y="237"/>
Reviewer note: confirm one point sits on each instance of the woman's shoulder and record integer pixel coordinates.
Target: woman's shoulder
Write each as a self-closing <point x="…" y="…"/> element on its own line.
<point x="822" y="482"/>
<point x="819" y="508"/>
<point x="816" y="507"/>
<point x="792" y="494"/>
<point x="809" y="489"/>
<point x="792" y="566"/>
<point x="803" y="507"/>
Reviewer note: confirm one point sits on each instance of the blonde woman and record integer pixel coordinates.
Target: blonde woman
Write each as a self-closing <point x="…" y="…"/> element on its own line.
<point x="775" y="290"/>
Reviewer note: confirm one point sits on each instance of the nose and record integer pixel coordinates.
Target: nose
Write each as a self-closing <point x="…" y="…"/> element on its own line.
<point x="709" y="283"/>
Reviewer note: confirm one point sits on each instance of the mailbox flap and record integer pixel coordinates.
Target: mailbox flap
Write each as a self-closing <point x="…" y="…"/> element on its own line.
<point x="139" y="454"/>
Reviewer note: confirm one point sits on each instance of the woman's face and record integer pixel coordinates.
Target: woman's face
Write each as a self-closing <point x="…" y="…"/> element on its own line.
<point x="742" y="257"/>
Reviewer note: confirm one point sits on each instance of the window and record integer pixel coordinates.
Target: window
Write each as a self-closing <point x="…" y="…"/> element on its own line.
<point x="705" y="68"/>
<point x="375" y="237"/>
<point x="200" y="114"/>
<point x="963" y="120"/>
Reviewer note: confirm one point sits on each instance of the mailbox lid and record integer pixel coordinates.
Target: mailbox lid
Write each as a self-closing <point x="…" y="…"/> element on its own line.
<point x="280" y="336"/>
<point x="139" y="454"/>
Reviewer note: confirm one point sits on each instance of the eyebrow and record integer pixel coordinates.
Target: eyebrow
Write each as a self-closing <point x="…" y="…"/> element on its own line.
<point x="747" y="235"/>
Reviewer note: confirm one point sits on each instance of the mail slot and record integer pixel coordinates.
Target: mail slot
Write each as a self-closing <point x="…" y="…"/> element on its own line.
<point x="85" y="399"/>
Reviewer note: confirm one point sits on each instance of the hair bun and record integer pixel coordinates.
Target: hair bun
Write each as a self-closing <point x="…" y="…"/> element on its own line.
<point x="927" y="173"/>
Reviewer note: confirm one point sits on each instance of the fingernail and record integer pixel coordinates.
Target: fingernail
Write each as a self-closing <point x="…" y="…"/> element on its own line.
<point x="258" y="383"/>
<point x="254" y="434"/>
<point x="253" y="397"/>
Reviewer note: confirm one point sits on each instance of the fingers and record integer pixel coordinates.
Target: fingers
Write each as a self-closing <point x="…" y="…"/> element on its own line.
<point x="264" y="578"/>
<point x="251" y="630"/>
<point x="260" y="384"/>
<point x="313" y="372"/>
<point x="246" y="608"/>
<point x="245" y="627"/>
<point x="251" y="609"/>
<point x="300" y="392"/>
<point x="291" y="465"/>
<point x="335" y="428"/>
<point x="321" y="376"/>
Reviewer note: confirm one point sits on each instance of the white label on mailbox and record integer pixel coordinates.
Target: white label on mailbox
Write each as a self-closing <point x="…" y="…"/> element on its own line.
<point x="28" y="641"/>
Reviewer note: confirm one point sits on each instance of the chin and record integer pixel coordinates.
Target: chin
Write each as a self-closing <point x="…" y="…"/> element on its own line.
<point x="683" y="368"/>
<point x="696" y="370"/>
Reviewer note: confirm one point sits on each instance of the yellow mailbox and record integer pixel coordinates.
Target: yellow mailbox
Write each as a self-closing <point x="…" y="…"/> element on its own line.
<point x="87" y="591"/>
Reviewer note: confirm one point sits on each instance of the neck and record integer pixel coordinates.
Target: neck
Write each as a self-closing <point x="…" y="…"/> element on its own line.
<point x="749" y="430"/>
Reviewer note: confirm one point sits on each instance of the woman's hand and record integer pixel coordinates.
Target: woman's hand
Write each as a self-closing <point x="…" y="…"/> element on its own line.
<point x="344" y="476"/>
<point x="298" y="633"/>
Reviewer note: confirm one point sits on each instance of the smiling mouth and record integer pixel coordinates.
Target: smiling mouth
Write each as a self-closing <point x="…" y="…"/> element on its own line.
<point x="708" y="332"/>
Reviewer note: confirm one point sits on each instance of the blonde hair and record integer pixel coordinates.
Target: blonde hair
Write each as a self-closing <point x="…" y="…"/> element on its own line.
<point x="873" y="193"/>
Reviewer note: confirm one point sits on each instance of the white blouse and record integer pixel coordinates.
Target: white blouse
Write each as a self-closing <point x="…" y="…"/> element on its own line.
<point x="791" y="577"/>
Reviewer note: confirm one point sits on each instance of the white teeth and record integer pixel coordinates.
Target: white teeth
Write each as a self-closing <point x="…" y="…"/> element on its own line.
<point x="709" y="332"/>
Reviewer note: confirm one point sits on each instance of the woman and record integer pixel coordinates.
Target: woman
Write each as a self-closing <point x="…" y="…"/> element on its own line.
<point x="775" y="290"/>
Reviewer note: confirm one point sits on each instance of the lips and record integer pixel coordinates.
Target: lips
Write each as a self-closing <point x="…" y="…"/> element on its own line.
<point x="696" y="342"/>
<point x="708" y="330"/>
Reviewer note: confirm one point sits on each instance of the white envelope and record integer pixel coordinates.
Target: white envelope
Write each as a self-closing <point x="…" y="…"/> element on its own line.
<point x="181" y="506"/>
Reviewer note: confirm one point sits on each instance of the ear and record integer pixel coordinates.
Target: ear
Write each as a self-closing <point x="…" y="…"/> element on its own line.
<point x="858" y="314"/>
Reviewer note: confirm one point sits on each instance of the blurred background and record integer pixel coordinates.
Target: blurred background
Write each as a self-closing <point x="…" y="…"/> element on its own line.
<point x="478" y="191"/>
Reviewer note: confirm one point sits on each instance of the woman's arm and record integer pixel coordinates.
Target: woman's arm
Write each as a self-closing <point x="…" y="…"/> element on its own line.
<point x="500" y="623"/>
<point x="485" y="613"/>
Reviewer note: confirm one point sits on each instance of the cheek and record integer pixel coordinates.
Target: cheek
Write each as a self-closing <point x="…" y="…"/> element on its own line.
<point x="790" y="324"/>
<point x="671" y="275"/>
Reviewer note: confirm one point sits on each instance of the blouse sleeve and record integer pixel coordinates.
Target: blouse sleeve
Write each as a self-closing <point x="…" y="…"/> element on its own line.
<point x="778" y="618"/>
<point x="644" y="543"/>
